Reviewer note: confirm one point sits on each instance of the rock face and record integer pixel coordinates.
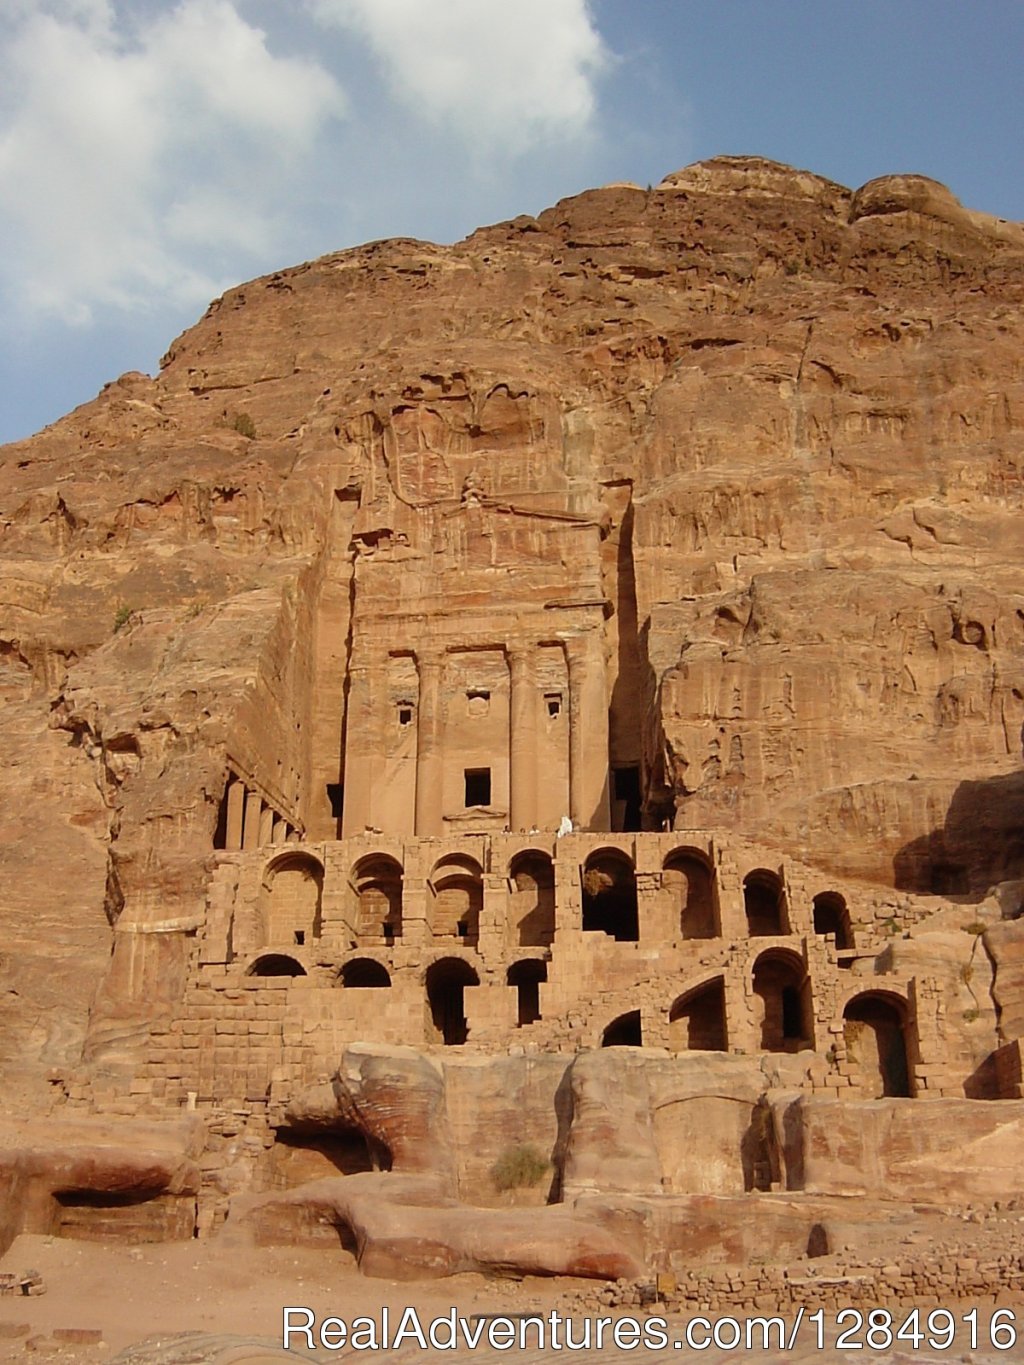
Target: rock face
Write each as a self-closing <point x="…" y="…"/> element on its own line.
<point x="886" y="1151"/>
<point x="90" y="1178"/>
<point x="401" y="1231"/>
<point x="686" y="519"/>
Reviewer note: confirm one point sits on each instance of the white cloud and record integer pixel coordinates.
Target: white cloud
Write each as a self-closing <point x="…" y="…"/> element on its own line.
<point x="501" y="73"/>
<point x="136" y="159"/>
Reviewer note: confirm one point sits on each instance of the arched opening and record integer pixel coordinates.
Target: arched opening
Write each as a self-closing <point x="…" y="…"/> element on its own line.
<point x="362" y="973"/>
<point x="276" y="964"/>
<point x="875" y="1033"/>
<point x="690" y="885"/>
<point x="624" y="1031"/>
<point x="457" y="883"/>
<point x="377" y="880"/>
<point x="526" y="977"/>
<point x="764" y="903"/>
<point x="446" y="984"/>
<point x="696" y="1022"/>
<point x="290" y="901"/>
<point x="783" y="990"/>
<point x="832" y="918"/>
<point x="532" y="875"/>
<point x="609" y="896"/>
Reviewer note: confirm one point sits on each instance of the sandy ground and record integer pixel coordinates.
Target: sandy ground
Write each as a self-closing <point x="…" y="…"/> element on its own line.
<point x="129" y="1294"/>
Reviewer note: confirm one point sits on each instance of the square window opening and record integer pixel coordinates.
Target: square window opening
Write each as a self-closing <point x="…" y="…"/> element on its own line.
<point x="404" y="713"/>
<point x="300" y="937"/>
<point x="478" y="787"/>
<point x="553" y="702"/>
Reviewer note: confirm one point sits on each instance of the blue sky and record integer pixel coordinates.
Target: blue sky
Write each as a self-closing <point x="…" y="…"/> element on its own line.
<point x="155" y="152"/>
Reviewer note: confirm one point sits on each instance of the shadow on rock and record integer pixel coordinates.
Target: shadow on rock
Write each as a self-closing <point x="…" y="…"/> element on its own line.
<point x="980" y="843"/>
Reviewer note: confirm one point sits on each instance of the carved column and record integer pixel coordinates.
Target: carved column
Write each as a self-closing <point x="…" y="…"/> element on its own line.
<point x="266" y="826"/>
<point x="236" y="814"/>
<point x="429" y="747"/>
<point x="359" y="747"/>
<point x="251" y="831"/>
<point x="588" y="733"/>
<point x="522" y="740"/>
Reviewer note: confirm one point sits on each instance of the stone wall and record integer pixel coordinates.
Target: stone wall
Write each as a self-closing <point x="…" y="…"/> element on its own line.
<point x="294" y="962"/>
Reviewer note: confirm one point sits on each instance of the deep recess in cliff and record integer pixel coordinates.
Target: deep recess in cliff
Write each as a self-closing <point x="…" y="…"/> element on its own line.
<point x="755" y="440"/>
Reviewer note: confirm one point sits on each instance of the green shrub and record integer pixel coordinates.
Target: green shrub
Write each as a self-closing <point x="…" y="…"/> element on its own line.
<point x="121" y="617"/>
<point x="519" y="1167"/>
<point x="245" y="426"/>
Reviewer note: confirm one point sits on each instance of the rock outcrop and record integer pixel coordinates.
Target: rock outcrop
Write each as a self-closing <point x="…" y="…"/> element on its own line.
<point x="95" y="1178"/>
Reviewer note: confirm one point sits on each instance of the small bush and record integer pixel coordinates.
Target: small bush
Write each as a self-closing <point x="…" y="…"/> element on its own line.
<point x="245" y="426"/>
<point x="975" y="927"/>
<point x="121" y="617"/>
<point x="519" y="1167"/>
<point x="971" y="1016"/>
<point x="596" y="882"/>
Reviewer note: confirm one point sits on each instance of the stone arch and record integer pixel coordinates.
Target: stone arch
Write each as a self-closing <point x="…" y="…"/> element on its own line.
<point x="625" y="1031"/>
<point x="764" y="901"/>
<point x="276" y="964"/>
<point x="609" y="895"/>
<point x="689" y="880"/>
<point x="526" y="976"/>
<point x="364" y="972"/>
<point x="377" y="882"/>
<point x="532" y="878"/>
<point x="290" y="899"/>
<point x="458" y="896"/>
<point x="832" y="918"/>
<point x="446" y="981"/>
<point x="696" y="1021"/>
<point x="876" y="1031"/>
<point x="783" y="988"/>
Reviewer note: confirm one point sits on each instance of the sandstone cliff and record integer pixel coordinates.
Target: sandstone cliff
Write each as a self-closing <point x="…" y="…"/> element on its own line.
<point x="799" y="412"/>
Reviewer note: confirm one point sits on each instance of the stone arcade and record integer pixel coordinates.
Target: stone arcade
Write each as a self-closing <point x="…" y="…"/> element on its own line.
<point x="495" y="940"/>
